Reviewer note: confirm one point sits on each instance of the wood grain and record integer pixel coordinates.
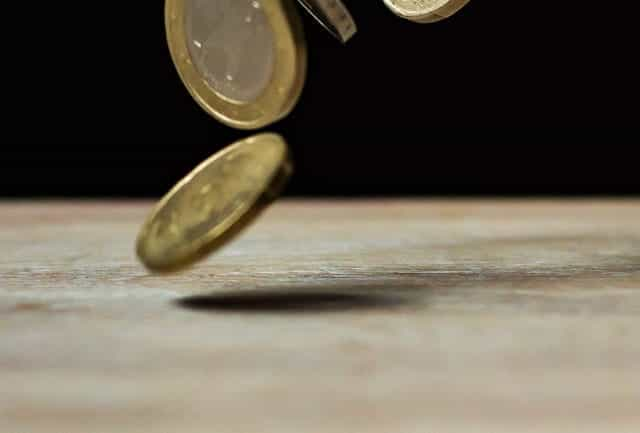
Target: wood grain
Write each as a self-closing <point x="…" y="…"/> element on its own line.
<point x="326" y="316"/>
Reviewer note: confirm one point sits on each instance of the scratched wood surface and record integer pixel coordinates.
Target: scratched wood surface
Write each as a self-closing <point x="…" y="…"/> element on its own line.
<point x="377" y="316"/>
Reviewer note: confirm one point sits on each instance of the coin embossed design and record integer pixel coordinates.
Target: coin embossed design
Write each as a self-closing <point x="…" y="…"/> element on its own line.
<point x="243" y="61"/>
<point x="215" y="201"/>
<point x="425" y="11"/>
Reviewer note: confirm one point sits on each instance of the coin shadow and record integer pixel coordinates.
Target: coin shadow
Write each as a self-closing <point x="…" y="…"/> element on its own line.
<point x="290" y="301"/>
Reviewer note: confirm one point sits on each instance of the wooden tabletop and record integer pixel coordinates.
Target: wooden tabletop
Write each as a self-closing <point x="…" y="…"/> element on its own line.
<point x="326" y="316"/>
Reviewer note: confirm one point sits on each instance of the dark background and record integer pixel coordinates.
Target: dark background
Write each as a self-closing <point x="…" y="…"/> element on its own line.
<point x="504" y="98"/>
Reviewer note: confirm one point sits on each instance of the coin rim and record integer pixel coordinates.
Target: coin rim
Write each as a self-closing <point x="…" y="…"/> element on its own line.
<point x="446" y="10"/>
<point x="232" y="225"/>
<point x="287" y="81"/>
<point x="321" y="11"/>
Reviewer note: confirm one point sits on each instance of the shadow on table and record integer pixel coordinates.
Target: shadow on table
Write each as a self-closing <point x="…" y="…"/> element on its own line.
<point x="291" y="301"/>
<point x="509" y="288"/>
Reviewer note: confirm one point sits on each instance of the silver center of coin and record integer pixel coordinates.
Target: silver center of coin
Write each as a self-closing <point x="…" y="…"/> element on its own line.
<point x="418" y="5"/>
<point x="232" y="45"/>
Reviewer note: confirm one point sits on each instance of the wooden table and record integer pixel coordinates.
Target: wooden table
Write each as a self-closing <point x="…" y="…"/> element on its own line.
<point x="326" y="316"/>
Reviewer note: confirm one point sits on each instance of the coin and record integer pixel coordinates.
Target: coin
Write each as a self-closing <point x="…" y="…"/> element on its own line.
<point x="334" y="16"/>
<point x="243" y="61"/>
<point x="213" y="203"/>
<point x="425" y="11"/>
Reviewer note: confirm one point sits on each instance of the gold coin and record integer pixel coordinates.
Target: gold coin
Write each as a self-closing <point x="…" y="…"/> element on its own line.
<point x="214" y="202"/>
<point x="425" y="11"/>
<point x="243" y="61"/>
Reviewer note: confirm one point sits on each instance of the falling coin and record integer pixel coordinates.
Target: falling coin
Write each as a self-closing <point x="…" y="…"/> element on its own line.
<point x="333" y="15"/>
<point x="425" y="11"/>
<point x="214" y="202"/>
<point x="243" y="61"/>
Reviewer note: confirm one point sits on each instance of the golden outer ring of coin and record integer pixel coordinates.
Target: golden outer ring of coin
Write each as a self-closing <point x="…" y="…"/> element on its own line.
<point x="282" y="92"/>
<point x="243" y="211"/>
<point x="427" y="14"/>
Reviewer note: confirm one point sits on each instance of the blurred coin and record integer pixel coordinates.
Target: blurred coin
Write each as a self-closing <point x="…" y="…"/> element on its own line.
<point x="243" y="61"/>
<point x="333" y="15"/>
<point x="425" y="11"/>
<point x="214" y="202"/>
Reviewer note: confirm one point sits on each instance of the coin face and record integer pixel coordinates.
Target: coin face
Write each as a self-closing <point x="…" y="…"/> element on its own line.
<point x="425" y="11"/>
<point x="232" y="46"/>
<point x="215" y="200"/>
<point x="243" y="61"/>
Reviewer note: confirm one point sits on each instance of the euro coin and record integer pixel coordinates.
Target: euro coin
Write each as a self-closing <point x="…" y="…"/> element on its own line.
<point x="213" y="203"/>
<point x="243" y="61"/>
<point x="425" y="11"/>
<point x="334" y="16"/>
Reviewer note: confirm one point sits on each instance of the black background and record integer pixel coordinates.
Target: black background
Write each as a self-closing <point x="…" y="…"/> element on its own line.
<point x="503" y="98"/>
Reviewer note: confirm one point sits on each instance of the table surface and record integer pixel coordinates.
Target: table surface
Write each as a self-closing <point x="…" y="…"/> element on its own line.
<point x="326" y="316"/>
